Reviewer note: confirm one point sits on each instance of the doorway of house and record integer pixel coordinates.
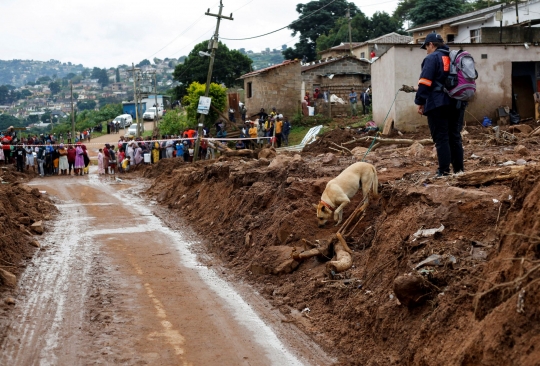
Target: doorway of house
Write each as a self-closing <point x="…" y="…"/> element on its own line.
<point x="524" y="84"/>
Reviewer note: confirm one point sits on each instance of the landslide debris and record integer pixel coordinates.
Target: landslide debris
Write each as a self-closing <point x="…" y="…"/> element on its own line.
<point x="469" y="289"/>
<point x="23" y="211"/>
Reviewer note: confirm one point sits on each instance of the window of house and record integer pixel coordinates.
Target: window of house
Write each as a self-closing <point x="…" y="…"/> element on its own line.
<point x="363" y="55"/>
<point x="249" y="90"/>
<point x="475" y="35"/>
<point x="449" y="38"/>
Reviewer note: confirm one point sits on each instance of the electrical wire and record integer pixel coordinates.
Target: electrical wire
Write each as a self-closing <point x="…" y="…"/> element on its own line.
<point x="178" y="36"/>
<point x="277" y="30"/>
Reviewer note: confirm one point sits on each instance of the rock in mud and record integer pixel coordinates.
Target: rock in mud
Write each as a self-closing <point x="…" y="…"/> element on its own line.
<point x="25" y="220"/>
<point x="329" y="159"/>
<point x="34" y="243"/>
<point x="521" y="150"/>
<point x="9" y="301"/>
<point x="274" y="260"/>
<point x="8" y="278"/>
<point x="37" y="227"/>
<point x="411" y="290"/>
<point x="280" y="162"/>
<point x="267" y="153"/>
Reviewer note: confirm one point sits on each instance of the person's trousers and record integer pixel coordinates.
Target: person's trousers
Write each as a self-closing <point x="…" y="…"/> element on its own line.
<point x="169" y="152"/>
<point x="40" y="167"/>
<point x="354" y="112"/>
<point x="285" y="137"/>
<point x="445" y="125"/>
<point x="278" y="139"/>
<point x="20" y="164"/>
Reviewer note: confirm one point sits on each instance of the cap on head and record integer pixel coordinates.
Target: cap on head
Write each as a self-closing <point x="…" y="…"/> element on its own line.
<point x="432" y="37"/>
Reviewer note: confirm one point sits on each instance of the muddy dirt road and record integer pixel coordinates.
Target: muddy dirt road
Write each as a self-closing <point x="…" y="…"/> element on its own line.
<point x="116" y="284"/>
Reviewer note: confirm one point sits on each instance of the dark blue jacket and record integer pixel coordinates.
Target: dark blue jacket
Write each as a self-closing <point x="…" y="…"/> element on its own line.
<point x="435" y="69"/>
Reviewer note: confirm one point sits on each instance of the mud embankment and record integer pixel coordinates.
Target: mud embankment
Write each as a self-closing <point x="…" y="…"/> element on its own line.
<point x="463" y="309"/>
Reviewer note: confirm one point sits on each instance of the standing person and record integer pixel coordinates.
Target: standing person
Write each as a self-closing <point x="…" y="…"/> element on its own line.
<point x="253" y="134"/>
<point x="366" y="101"/>
<point x="307" y="99"/>
<point x="100" y="168"/>
<point x="155" y="152"/>
<point x="286" y="131"/>
<point x="71" y="158"/>
<point x="186" y="151"/>
<point x="138" y="154"/>
<point x="231" y="115"/>
<point x="445" y="119"/>
<point x="169" y="148"/>
<point x="41" y="159"/>
<point x="372" y="54"/>
<point x="29" y="157"/>
<point x="121" y="158"/>
<point x="106" y="158"/>
<point x="260" y="133"/>
<point x="19" y="156"/>
<point x="56" y="160"/>
<point x="112" y="160"/>
<point x="353" y="100"/>
<point x="243" y="111"/>
<point x="203" y="150"/>
<point x="279" y="129"/>
<point x="63" y="164"/>
<point x="79" y="159"/>
<point x="180" y="150"/>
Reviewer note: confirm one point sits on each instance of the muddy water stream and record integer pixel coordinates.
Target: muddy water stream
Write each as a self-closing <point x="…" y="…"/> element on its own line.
<point x="113" y="284"/>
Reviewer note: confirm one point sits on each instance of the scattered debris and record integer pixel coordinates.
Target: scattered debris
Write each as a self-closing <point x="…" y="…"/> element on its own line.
<point x="428" y="232"/>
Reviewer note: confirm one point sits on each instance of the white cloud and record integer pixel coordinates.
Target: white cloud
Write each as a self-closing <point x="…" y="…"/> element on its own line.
<point x="106" y="33"/>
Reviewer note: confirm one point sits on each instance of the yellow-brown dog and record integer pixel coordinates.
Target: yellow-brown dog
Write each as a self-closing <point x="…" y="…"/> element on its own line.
<point x="341" y="189"/>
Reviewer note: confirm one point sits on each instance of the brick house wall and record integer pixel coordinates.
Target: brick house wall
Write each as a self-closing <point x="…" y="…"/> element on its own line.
<point x="349" y="72"/>
<point x="445" y="31"/>
<point x="278" y="87"/>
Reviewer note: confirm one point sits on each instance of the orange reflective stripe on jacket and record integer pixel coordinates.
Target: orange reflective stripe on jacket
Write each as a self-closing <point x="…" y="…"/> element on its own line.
<point x="424" y="81"/>
<point x="446" y="63"/>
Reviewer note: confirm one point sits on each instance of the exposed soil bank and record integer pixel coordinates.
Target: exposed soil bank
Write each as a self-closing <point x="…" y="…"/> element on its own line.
<point x="479" y="306"/>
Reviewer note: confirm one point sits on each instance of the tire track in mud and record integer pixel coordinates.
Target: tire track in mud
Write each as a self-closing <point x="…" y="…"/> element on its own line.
<point x="50" y="304"/>
<point x="131" y="291"/>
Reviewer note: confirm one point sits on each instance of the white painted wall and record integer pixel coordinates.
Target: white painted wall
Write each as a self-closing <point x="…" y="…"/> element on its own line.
<point x="401" y="65"/>
<point x="526" y="11"/>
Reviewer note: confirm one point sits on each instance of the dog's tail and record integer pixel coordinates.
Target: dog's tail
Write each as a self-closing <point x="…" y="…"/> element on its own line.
<point x="375" y="183"/>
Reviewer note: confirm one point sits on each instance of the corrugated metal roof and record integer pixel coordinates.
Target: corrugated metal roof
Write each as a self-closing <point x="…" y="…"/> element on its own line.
<point x="391" y="38"/>
<point x="320" y="63"/>
<point x="266" y="69"/>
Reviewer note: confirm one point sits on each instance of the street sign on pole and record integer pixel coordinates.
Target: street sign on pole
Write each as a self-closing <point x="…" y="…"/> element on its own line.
<point x="204" y="105"/>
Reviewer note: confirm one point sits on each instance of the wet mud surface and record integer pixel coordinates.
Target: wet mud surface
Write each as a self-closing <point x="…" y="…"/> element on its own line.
<point x="113" y="284"/>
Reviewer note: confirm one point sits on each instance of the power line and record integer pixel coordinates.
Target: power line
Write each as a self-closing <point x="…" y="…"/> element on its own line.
<point x="277" y="30"/>
<point x="178" y="36"/>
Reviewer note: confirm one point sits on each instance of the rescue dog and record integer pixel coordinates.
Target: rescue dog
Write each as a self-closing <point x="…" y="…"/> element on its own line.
<point x="341" y="189"/>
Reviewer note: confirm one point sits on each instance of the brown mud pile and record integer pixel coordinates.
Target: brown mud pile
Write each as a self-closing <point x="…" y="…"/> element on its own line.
<point x="22" y="212"/>
<point x="474" y="302"/>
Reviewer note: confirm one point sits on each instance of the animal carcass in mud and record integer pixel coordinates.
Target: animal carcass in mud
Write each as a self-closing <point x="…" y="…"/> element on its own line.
<point x="336" y="248"/>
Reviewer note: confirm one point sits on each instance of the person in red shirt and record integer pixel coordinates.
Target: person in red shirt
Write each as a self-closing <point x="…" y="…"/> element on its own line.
<point x="372" y="54"/>
<point x="71" y="153"/>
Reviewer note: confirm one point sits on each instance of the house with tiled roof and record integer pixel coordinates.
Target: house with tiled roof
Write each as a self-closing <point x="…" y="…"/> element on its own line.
<point x="284" y="85"/>
<point x="362" y="50"/>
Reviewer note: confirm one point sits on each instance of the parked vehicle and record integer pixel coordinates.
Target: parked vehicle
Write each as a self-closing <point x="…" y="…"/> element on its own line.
<point x="151" y="113"/>
<point x="124" y="120"/>
<point x="132" y="130"/>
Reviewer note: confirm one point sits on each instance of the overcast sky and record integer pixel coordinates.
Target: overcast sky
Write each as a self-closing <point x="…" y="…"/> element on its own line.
<point x="107" y="33"/>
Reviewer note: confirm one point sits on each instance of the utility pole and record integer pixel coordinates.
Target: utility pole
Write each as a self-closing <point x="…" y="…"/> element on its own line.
<point x="349" y="21"/>
<point x="156" y="116"/>
<point x="213" y="46"/>
<point x="72" y="113"/>
<point x="135" y="96"/>
<point x="517" y="14"/>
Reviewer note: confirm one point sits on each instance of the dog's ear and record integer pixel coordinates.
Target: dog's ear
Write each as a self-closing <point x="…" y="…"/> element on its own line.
<point x="316" y="206"/>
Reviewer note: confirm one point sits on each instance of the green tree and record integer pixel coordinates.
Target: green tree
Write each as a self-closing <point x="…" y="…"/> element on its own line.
<point x="117" y="74"/>
<point x="144" y="62"/>
<point x="316" y="18"/>
<point x="191" y="100"/>
<point x="360" y="25"/>
<point x="228" y="66"/>
<point x="54" y="87"/>
<point x="100" y="75"/>
<point x="44" y="80"/>
<point x="382" y="23"/>
<point x="25" y="93"/>
<point x="173" y="123"/>
<point x="7" y="120"/>
<point x="86" y="105"/>
<point x="404" y="9"/>
<point x="427" y="11"/>
<point x="75" y="95"/>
